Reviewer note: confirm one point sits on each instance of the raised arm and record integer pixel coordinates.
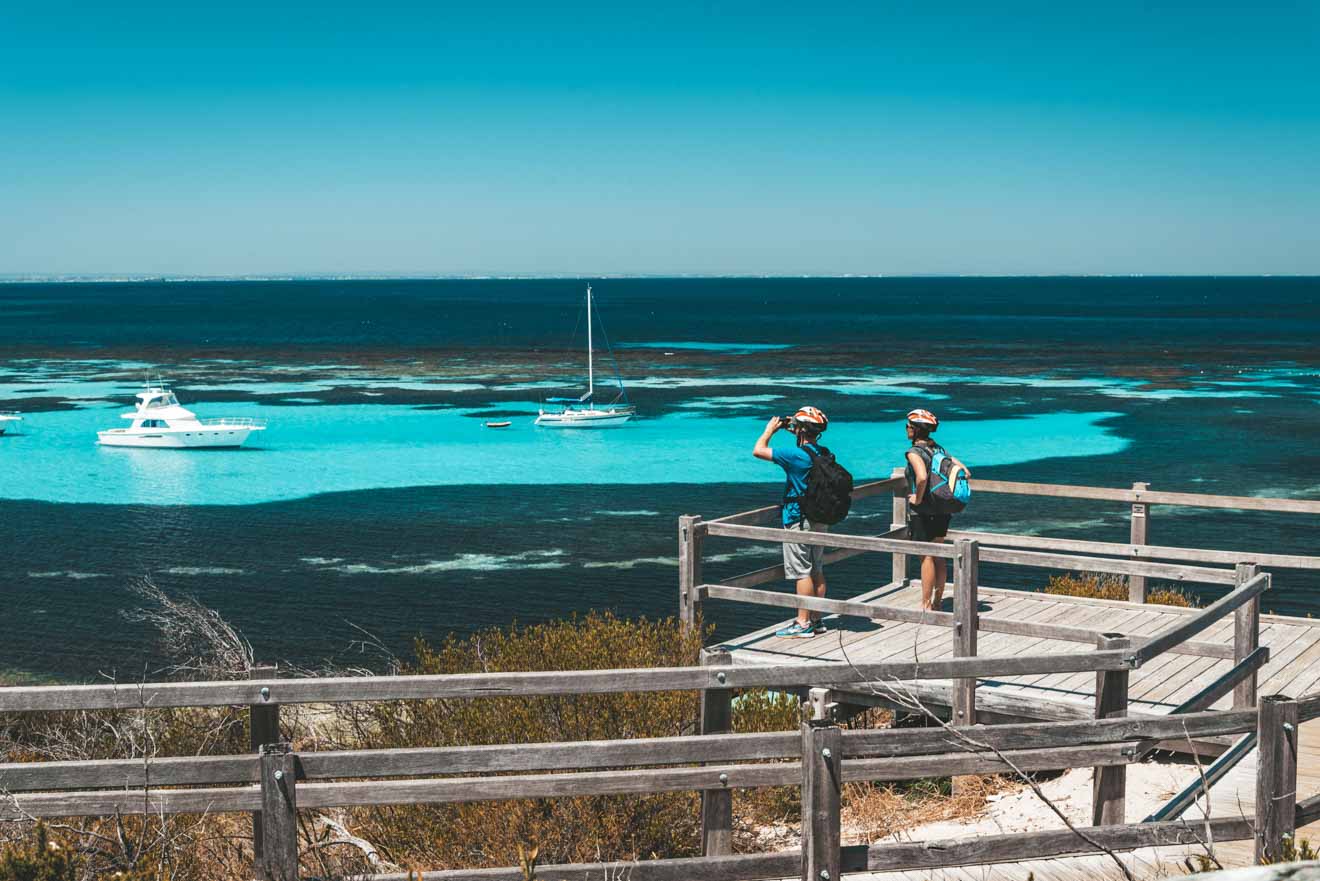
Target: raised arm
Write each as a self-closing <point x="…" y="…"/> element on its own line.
<point x="762" y="449"/>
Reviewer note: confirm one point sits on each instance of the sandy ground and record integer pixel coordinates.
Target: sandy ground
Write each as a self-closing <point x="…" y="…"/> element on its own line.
<point x="1149" y="786"/>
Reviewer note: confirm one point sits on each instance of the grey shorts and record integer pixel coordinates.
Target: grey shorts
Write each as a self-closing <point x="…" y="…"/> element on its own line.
<point x="803" y="560"/>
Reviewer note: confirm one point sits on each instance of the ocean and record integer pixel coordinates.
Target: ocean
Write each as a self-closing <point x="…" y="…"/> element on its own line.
<point x="377" y="503"/>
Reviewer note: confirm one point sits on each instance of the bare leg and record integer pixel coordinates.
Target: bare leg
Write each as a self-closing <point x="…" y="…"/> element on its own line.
<point x="941" y="574"/>
<point x="928" y="574"/>
<point x="818" y="583"/>
<point x="806" y="587"/>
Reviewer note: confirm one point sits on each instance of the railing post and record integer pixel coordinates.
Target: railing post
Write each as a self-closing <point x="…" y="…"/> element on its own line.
<point x="1246" y="637"/>
<point x="690" y="534"/>
<point x="716" y="804"/>
<point x="1109" y="783"/>
<point x="899" y="520"/>
<point x="1276" y="777"/>
<point x="279" y="812"/>
<point x="965" y="573"/>
<point x="1140" y="519"/>
<point x="263" y="728"/>
<point x="822" y="747"/>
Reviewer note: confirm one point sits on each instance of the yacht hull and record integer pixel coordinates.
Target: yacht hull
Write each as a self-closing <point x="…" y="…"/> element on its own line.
<point x="583" y="420"/>
<point x="194" y="439"/>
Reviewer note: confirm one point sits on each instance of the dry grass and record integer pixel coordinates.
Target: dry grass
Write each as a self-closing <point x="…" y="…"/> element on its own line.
<point x="1094" y="586"/>
<point x="873" y="811"/>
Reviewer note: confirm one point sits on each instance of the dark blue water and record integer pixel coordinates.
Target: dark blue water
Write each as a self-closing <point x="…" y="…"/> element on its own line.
<point x="336" y="521"/>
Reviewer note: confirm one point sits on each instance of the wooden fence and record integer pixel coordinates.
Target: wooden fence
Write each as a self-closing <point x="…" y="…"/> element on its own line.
<point x="275" y="781"/>
<point x="820" y="758"/>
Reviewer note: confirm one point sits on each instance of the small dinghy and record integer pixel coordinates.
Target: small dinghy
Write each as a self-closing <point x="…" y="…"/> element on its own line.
<point x="498" y="424"/>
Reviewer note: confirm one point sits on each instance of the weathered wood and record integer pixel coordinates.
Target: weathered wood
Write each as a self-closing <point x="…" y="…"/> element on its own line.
<point x="1276" y="777"/>
<point x="872" y="611"/>
<point x="822" y="800"/>
<point x="279" y="813"/>
<point x="263" y="729"/>
<point x="984" y="849"/>
<point x="537" y="683"/>
<point x="1137" y="535"/>
<point x="575" y="755"/>
<point x="1191" y="500"/>
<point x="1308" y="707"/>
<point x="898" y="521"/>
<point x="986" y="623"/>
<point x="690" y="532"/>
<point x="1166" y="571"/>
<point x="1218" y="769"/>
<point x="965" y="575"/>
<point x="110" y="802"/>
<point x="1145" y="552"/>
<point x="1184" y="630"/>
<point x="716" y="804"/>
<point x="770" y="513"/>
<point x="831" y="540"/>
<point x="1109" y="784"/>
<point x="895" y="742"/>
<point x="963" y="763"/>
<point x="776" y="573"/>
<point x="1308" y="811"/>
<point x="741" y="867"/>
<point x="1244" y="669"/>
<point x="1246" y="635"/>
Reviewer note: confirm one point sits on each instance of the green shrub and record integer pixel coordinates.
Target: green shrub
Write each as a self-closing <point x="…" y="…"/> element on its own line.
<point x="1090" y="585"/>
<point x="41" y="860"/>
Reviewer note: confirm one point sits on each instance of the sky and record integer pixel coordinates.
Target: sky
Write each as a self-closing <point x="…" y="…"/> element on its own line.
<point x="671" y="138"/>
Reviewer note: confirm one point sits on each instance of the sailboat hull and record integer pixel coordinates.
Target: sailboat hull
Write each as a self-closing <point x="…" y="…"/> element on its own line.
<point x="584" y="419"/>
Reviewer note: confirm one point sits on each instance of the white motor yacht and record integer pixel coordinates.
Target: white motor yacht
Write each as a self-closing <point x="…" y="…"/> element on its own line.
<point x="9" y="419"/>
<point x="160" y="422"/>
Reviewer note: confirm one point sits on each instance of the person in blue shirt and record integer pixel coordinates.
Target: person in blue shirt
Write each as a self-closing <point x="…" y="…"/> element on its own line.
<point x="802" y="563"/>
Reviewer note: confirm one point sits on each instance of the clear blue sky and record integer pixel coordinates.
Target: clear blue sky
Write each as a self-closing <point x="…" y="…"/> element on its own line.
<point x="880" y="137"/>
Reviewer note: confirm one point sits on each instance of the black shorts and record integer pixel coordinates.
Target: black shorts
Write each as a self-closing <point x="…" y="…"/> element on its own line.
<point x="927" y="527"/>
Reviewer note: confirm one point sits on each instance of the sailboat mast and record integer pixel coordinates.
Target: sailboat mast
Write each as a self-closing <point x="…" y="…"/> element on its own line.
<point x="591" y="368"/>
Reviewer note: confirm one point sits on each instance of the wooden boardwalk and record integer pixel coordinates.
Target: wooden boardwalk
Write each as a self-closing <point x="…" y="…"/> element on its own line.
<point x="1154" y="689"/>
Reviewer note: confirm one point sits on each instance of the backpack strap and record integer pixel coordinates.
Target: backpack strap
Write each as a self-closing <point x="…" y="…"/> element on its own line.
<point x="815" y="454"/>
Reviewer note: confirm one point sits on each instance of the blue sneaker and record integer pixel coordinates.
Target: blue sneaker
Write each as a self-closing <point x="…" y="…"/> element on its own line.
<point x="797" y="630"/>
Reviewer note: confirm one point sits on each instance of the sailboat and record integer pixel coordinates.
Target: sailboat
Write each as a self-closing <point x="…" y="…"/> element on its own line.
<point x="584" y="412"/>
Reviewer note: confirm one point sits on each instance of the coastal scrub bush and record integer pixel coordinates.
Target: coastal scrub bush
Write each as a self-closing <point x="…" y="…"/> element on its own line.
<point x="564" y="829"/>
<point x="1091" y="585"/>
<point x="38" y="859"/>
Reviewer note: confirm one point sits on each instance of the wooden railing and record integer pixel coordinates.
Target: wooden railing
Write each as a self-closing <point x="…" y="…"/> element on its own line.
<point x="276" y="781"/>
<point x="819" y="758"/>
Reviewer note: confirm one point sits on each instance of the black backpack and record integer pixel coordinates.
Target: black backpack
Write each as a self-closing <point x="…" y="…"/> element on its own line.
<point x="829" y="489"/>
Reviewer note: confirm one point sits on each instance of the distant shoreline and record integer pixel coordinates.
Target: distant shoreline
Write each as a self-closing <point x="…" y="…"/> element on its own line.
<point x="130" y="278"/>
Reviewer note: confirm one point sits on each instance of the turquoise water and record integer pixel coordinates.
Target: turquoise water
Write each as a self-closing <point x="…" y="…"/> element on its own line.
<point x="336" y="448"/>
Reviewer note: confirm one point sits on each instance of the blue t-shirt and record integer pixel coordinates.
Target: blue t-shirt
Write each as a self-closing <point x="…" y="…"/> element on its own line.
<point x="796" y="462"/>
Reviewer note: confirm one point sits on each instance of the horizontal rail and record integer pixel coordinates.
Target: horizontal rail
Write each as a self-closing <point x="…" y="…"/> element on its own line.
<point x="986" y="849"/>
<point x="776" y="572"/>
<point x="770" y="513"/>
<point x="889" y="856"/>
<point x="1308" y="811"/>
<point x="1189" y="627"/>
<point x="1166" y="571"/>
<point x="452" y="790"/>
<point x="853" y="608"/>
<point x="1308" y="707"/>
<point x="1151" y="552"/>
<point x="861" y="609"/>
<point x="893" y="742"/>
<point x="348" y="689"/>
<point x="1174" y="807"/>
<point x="597" y="754"/>
<point x="1221" y="687"/>
<point x="503" y="758"/>
<point x="831" y="539"/>
<point x="1149" y="497"/>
